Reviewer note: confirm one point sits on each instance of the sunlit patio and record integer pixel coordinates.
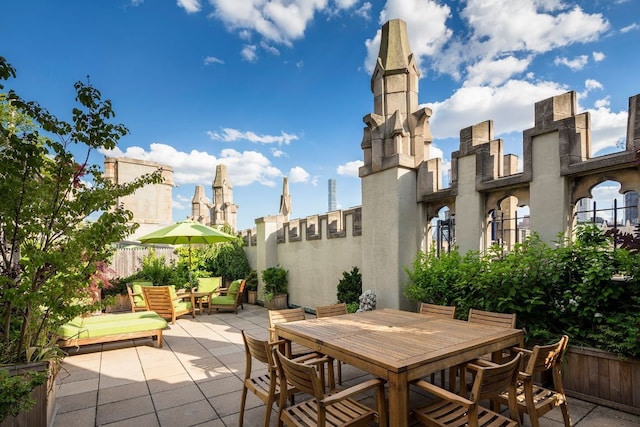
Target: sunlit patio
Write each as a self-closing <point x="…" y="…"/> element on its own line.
<point x="196" y="380"/>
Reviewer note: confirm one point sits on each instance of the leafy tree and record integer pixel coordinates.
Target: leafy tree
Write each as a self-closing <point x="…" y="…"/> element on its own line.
<point x="350" y="287"/>
<point x="49" y="247"/>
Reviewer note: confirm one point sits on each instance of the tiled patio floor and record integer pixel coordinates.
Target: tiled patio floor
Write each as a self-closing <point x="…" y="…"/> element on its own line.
<point x="196" y="380"/>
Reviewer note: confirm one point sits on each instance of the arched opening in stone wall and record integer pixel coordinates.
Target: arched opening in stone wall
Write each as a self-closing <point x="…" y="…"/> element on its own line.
<point x="441" y="231"/>
<point x="509" y="224"/>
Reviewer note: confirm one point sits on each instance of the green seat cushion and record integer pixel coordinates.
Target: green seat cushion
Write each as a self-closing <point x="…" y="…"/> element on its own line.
<point x="182" y="305"/>
<point x="224" y="299"/>
<point x="208" y="284"/>
<point x="111" y="324"/>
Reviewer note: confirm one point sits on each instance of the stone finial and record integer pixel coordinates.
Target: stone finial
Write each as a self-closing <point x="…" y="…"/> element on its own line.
<point x="285" y="199"/>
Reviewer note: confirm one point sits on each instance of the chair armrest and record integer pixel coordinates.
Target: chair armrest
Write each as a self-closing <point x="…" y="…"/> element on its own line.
<point x="352" y="391"/>
<point x="277" y="342"/>
<point x="443" y="394"/>
<point x="223" y="291"/>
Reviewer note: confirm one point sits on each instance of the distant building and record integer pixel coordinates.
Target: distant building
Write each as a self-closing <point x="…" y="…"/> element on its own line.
<point x="631" y="207"/>
<point x="332" y="195"/>
<point x="151" y="204"/>
<point x="221" y="210"/>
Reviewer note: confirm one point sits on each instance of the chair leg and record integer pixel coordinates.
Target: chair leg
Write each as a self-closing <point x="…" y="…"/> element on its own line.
<point x="243" y="400"/>
<point x="339" y="372"/>
<point x="565" y="414"/>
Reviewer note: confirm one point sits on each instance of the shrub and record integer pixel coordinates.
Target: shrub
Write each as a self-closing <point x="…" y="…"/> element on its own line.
<point x="350" y="288"/>
<point x="275" y="282"/>
<point x="552" y="290"/>
<point x="252" y="281"/>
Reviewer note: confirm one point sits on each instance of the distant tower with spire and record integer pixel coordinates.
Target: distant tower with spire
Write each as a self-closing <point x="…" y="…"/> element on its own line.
<point x="223" y="210"/>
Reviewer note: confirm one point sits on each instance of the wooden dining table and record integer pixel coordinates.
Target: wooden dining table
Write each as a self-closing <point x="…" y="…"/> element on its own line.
<point x="399" y="346"/>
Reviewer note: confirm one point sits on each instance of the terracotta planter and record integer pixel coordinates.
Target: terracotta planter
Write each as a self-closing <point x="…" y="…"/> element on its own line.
<point x="278" y="302"/>
<point x="601" y="377"/>
<point x="43" y="412"/>
<point x="252" y="297"/>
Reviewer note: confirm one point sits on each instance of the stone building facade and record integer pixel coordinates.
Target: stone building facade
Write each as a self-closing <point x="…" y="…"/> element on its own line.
<point x="402" y="189"/>
<point x="221" y="210"/>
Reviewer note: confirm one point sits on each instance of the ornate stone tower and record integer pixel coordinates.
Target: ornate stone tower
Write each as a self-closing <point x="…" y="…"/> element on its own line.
<point x="200" y="206"/>
<point x="396" y="141"/>
<point x="223" y="210"/>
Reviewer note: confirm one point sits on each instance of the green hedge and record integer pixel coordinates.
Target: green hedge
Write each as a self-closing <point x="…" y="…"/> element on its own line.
<point x="567" y="288"/>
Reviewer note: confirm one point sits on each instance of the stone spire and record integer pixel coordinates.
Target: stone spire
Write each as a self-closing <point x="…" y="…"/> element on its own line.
<point x="397" y="132"/>
<point x="223" y="210"/>
<point x="285" y="199"/>
<point x="200" y="206"/>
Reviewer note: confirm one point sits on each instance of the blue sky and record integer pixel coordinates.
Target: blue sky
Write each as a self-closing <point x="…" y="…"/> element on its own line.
<point x="276" y="88"/>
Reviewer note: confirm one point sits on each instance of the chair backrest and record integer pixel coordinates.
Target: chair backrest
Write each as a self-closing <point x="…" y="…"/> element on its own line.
<point x="259" y="350"/>
<point x="209" y="284"/>
<point x="159" y="299"/>
<point x="491" y="381"/>
<point x="447" y="311"/>
<point x="331" y="310"/>
<point x="286" y="315"/>
<point x="504" y="320"/>
<point x="545" y="357"/>
<point x="239" y="292"/>
<point x="303" y="377"/>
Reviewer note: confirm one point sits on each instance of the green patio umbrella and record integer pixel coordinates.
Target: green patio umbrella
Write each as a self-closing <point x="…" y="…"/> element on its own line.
<point x="187" y="233"/>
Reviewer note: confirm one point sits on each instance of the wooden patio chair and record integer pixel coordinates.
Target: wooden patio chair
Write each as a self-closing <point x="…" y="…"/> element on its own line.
<point x="294" y="350"/>
<point x="328" y="311"/>
<point x="536" y="400"/>
<point x="446" y="311"/>
<point x="337" y="409"/>
<point x="453" y="410"/>
<point x="164" y="301"/>
<point x="136" y="297"/>
<point x="266" y="386"/>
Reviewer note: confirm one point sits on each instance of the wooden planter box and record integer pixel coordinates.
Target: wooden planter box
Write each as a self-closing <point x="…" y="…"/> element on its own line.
<point x="252" y="297"/>
<point x="277" y="303"/>
<point x="601" y="377"/>
<point x="43" y="412"/>
<point x="122" y="304"/>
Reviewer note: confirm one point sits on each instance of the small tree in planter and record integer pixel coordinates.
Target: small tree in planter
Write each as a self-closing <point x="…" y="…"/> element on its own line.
<point x="50" y="252"/>
<point x="275" y="287"/>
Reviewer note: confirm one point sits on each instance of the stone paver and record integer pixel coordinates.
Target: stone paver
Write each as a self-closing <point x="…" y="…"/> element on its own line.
<point x="196" y="380"/>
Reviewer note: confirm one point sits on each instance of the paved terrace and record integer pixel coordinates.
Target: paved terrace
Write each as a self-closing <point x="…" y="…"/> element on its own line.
<point x="196" y="380"/>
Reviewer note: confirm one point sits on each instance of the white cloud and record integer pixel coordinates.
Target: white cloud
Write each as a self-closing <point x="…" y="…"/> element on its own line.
<point x="576" y="63"/>
<point x="198" y="167"/>
<point x="277" y="153"/>
<point x="350" y="168"/>
<point x="602" y="103"/>
<point x="298" y="175"/>
<point x="592" y="84"/>
<point x="495" y="72"/>
<point x="607" y="128"/>
<point x="249" y="53"/>
<point x="272" y="50"/>
<point x="229" y="135"/>
<point x="628" y="28"/>
<point x="191" y="6"/>
<point x="364" y="11"/>
<point x="598" y="56"/>
<point x="136" y="2"/>
<point x="212" y="60"/>
<point x="512" y="103"/>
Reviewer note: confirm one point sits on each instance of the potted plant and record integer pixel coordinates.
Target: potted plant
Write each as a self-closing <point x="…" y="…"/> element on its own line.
<point x="50" y="254"/>
<point x="252" y="286"/>
<point x="275" y="287"/>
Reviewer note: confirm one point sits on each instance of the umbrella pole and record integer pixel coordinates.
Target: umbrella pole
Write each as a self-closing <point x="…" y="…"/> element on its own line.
<point x="190" y="272"/>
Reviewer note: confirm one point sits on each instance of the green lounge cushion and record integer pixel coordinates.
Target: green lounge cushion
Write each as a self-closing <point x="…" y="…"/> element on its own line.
<point x="111" y="324"/>
<point x="208" y="284"/>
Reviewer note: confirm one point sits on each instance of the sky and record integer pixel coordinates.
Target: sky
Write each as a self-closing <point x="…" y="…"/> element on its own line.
<point x="275" y="88"/>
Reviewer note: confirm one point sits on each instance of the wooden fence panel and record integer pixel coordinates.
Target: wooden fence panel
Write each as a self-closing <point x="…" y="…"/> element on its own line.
<point x="128" y="261"/>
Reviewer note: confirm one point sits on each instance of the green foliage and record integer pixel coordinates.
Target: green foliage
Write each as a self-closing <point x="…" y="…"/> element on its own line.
<point x="227" y="260"/>
<point x="275" y="282"/>
<point x="350" y="286"/>
<point x="352" y="307"/>
<point x="16" y="392"/>
<point x="252" y="281"/>
<point x="155" y="269"/>
<point x="58" y="225"/>
<point x="567" y="288"/>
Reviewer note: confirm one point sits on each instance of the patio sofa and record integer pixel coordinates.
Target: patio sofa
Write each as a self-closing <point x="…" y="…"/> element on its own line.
<point x="111" y="327"/>
<point x="232" y="299"/>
